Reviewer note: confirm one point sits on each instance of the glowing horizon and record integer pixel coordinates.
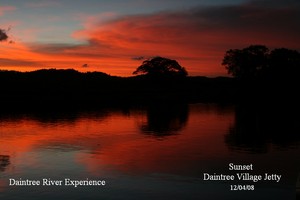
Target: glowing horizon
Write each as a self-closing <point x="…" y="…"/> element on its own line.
<point x="115" y="37"/>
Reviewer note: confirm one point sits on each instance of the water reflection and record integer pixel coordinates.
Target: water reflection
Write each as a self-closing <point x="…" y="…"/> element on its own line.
<point x="118" y="138"/>
<point x="114" y="144"/>
<point x="165" y="120"/>
<point x="257" y="127"/>
<point x="54" y="116"/>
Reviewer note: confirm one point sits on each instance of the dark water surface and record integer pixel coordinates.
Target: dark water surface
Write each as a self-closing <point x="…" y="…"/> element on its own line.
<point x="156" y="152"/>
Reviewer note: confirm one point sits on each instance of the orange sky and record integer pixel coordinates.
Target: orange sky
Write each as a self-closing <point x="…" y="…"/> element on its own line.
<point x="113" y="42"/>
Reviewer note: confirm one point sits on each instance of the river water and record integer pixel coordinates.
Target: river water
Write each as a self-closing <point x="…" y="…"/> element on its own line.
<point x="151" y="152"/>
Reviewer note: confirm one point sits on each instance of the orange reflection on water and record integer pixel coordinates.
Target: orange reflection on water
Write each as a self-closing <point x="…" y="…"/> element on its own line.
<point x="171" y="154"/>
<point x="115" y="141"/>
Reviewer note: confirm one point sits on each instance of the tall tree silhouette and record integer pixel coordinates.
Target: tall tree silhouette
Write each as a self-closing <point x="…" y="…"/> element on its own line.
<point x="248" y="63"/>
<point x="3" y="35"/>
<point x="284" y="63"/>
<point x="257" y="62"/>
<point x="159" y="66"/>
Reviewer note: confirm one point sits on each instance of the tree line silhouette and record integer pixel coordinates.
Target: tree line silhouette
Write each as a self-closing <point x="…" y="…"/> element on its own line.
<point x="264" y="75"/>
<point x="257" y="72"/>
<point x="61" y="88"/>
<point x="257" y="62"/>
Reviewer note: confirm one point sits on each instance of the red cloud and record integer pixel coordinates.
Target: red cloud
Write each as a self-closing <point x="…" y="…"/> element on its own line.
<point x="197" y="38"/>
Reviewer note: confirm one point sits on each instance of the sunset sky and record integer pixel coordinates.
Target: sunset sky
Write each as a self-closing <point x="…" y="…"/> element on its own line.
<point x="116" y="36"/>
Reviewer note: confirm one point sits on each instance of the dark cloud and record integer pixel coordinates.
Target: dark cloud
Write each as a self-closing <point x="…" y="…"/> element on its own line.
<point x="274" y="3"/>
<point x="265" y="21"/>
<point x="271" y="22"/>
<point x="13" y="62"/>
<point x="253" y="16"/>
<point x="280" y="19"/>
<point x="51" y="48"/>
<point x="90" y="50"/>
<point x="198" y="36"/>
<point x="274" y="22"/>
<point x="138" y="58"/>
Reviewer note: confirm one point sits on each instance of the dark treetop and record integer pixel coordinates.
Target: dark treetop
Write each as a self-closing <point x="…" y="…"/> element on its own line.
<point x="159" y="66"/>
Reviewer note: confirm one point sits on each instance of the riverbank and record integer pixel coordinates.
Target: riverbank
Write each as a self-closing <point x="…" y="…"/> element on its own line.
<point x="69" y="88"/>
